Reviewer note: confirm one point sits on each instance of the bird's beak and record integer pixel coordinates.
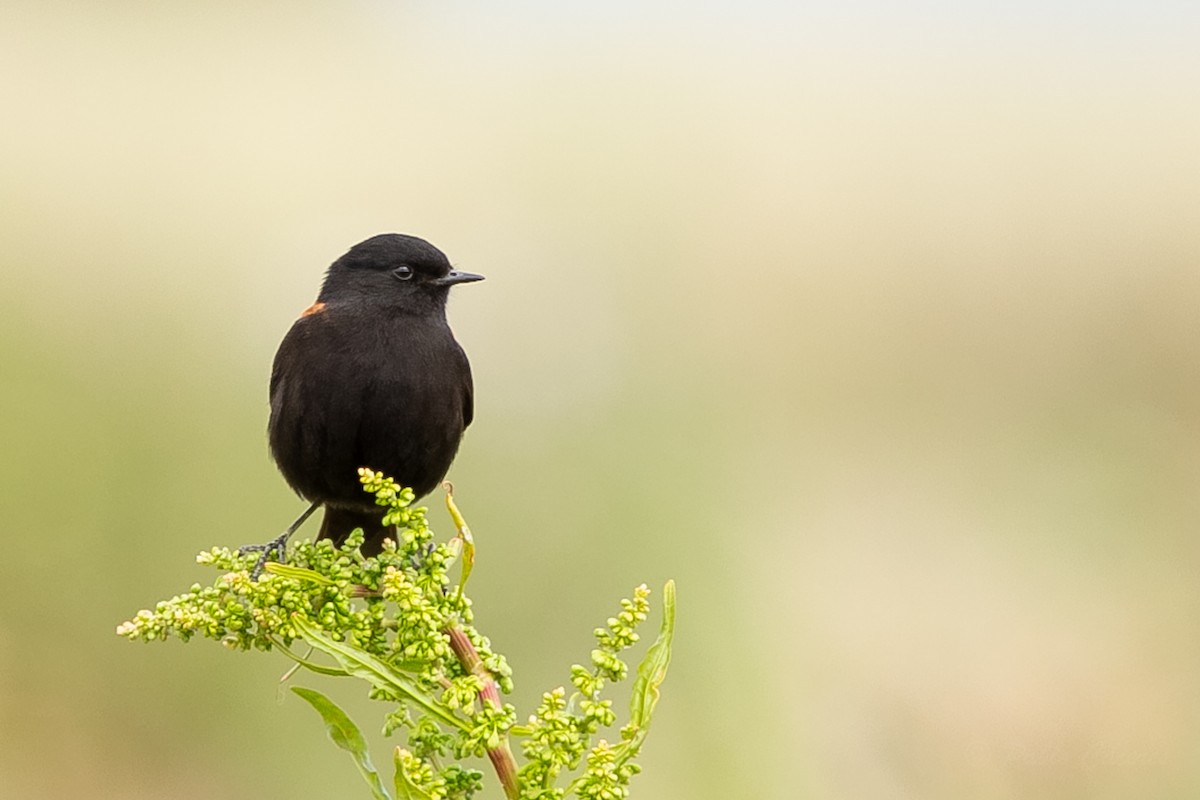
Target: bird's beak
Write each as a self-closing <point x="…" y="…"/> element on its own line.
<point x="454" y="276"/>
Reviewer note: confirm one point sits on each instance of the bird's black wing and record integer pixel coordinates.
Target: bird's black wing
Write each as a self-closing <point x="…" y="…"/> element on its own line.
<point x="314" y="417"/>
<point x="468" y="390"/>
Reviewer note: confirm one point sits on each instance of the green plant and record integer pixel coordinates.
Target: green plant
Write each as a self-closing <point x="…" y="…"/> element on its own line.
<point x="399" y="622"/>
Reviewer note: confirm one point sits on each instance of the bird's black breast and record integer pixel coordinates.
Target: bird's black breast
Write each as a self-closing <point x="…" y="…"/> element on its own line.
<point x="349" y="389"/>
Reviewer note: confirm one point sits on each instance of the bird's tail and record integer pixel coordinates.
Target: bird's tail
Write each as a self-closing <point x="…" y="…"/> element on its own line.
<point x="340" y="522"/>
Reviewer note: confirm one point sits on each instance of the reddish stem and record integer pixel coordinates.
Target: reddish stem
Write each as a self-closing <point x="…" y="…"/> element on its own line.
<point x="501" y="756"/>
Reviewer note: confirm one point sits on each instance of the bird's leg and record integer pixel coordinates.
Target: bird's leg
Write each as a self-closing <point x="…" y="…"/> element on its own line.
<point x="278" y="545"/>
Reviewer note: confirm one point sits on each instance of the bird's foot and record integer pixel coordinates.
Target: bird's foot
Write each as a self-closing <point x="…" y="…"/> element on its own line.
<point x="276" y="547"/>
<point x="419" y="558"/>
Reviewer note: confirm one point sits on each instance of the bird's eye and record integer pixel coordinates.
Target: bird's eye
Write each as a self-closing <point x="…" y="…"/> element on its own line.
<point x="403" y="273"/>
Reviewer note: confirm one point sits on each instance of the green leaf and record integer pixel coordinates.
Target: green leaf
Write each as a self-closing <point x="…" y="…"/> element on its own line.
<point x="413" y="665"/>
<point x="364" y="665"/>
<point x="297" y="573"/>
<point x="405" y="788"/>
<point x="650" y="675"/>
<point x="346" y="735"/>
<point x="320" y="669"/>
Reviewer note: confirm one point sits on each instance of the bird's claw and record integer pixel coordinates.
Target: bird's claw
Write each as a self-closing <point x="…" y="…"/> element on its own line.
<point x="276" y="547"/>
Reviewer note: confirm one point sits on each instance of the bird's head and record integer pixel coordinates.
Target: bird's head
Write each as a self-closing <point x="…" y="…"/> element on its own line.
<point x="393" y="268"/>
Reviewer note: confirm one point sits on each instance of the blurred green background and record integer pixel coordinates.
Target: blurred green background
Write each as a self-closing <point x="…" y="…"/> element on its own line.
<point x="873" y="326"/>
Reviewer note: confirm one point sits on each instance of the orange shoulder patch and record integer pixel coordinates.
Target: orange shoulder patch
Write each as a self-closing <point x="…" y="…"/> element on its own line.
<point x="315" y="308"/>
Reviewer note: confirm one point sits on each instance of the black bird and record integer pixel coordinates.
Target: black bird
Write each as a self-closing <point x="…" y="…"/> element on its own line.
<point x="370" y="375"/>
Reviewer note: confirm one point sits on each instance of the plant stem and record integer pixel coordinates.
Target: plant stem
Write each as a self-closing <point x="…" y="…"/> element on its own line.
<point x="501" y="756"/>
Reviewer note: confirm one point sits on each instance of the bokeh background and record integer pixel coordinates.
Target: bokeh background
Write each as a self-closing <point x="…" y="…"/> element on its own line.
<point x="874" y="325"/>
